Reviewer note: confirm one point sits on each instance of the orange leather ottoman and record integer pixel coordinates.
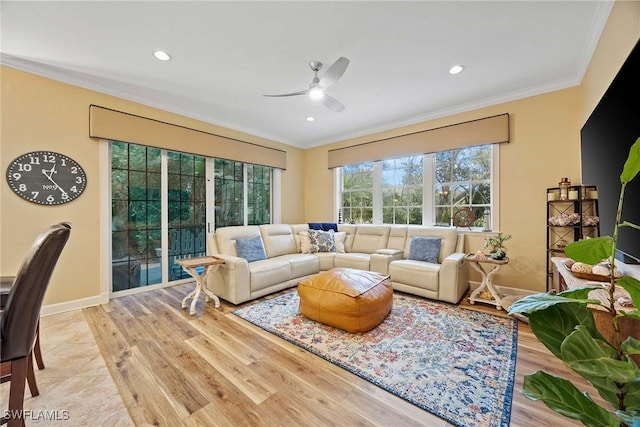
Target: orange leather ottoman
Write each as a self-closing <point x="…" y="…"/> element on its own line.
<point x="346" y="298"/>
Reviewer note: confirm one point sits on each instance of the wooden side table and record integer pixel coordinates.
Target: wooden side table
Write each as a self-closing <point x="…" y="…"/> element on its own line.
<point x="476" y="296"/>
<point x="190" y="265"/>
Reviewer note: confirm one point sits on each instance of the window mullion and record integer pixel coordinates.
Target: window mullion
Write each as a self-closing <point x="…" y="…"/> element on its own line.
<point x="377" y="193"/>
<point x="428" y="190"/>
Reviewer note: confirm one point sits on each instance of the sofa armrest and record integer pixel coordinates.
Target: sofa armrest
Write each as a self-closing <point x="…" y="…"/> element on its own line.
<point x="231" y="281"/>
<point x="389" y="251"/>
<point x="380" y="260"/>
<point x="454" y="278"/>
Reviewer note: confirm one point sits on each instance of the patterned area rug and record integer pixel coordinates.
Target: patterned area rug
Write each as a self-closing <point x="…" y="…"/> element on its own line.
<point x="457" y="364"/>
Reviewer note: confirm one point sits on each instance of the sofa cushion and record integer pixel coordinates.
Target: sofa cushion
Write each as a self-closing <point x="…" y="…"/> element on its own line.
<point x="424" y="249"/>
<point x="326" y="259"/>
<point x="269" y="272"/>
<point x="302" y="264"/>
<point x="415" y="273"/>
<point x="322" y="241"/>
<point x="353" y="260"/>
<point x="250" y="249"/>
<point x="278" y="239"/>
<point x="369" y="238"/>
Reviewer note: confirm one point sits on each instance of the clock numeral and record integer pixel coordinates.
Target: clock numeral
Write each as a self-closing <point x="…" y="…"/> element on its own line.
<point x="34" y="160"/>
<point x="24" y="167"/>
<point x="78" y="180"/>
<point x="74" y="189"/>
<point x="48" y="158"/>
<point x="74" y="169"/>
<point x="35" y="194"/>
<point x="65" y="196"/>
<point x="50" y="198"/>
<point x="17" y="176"/>
<point x="64" y="162"/>
<point x="22" y="187"/>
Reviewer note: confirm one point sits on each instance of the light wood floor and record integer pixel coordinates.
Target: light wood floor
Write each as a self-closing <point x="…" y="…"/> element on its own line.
<point x="215" y="369"/>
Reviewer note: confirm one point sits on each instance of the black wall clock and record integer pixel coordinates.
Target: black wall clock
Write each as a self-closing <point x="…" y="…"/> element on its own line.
<point x="46" y="178"/>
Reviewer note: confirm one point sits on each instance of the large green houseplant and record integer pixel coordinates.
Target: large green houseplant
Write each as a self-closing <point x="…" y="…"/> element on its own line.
<point x="565" y="325"/>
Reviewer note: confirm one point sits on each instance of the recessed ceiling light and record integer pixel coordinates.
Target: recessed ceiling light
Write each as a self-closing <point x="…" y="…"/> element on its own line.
<point x="310" y="119"/>
<point x="162" y="55"/>
<point x="456" y="69"/>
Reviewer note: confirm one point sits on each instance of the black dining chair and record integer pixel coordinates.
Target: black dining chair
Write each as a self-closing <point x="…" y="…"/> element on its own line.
<point x="20" y="318"/>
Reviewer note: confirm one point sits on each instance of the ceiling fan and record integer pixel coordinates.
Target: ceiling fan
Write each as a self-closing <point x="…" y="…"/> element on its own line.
<point x="318" y="86"/>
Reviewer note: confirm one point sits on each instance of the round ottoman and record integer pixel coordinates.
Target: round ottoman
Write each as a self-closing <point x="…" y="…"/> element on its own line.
<point x="346" y="298"/>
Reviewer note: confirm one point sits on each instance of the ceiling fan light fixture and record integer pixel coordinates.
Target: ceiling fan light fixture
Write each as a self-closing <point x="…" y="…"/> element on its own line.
<point x="162" y="55"/>
<point x="310" y="119"/>
<point x="316" y="93"/>
<point x="456" y="69"/>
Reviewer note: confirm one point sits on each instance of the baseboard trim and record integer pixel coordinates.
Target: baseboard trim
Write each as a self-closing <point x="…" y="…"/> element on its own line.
<point x="77" y="304"/>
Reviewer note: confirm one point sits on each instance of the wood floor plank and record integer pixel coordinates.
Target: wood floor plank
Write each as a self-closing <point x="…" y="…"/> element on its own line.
<point x="216" y="369"/>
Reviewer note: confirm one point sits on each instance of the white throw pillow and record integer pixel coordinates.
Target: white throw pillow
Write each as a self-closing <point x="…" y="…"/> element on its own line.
<point x="339" y="240"/>
<point x="305" y="242"/>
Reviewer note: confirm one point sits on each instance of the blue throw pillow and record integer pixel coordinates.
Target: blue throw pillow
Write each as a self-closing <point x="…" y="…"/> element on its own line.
<point x="424" y="249"/>
<point x="250" y="249"/>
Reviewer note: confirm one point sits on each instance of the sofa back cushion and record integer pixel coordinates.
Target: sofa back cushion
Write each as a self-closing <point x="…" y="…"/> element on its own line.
<point x="370" y="238"/>
<point x="278" y="239"/>
<point x="226" y="237"/>
<point x="449" y="236"/>
<point x="350" y="233"/>
<point x="397" y="237"/>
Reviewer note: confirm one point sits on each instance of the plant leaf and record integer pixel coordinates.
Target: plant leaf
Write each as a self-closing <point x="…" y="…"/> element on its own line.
<point x="537" y="302"/>
<point x="632" y="165"/>
<point x="630" y="346"/>
<point x="632" y="286"/>
<point x="595" y="358"/>
<point x="580" y="293"/>
<point x="590" y="251"/>
<point x="564" y="398"/>
<point x="554" y="324"/>
<point x="632" y="396"/>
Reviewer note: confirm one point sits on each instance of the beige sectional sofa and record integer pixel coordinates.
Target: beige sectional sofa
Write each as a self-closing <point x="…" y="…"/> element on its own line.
<point x="380" y="248"/>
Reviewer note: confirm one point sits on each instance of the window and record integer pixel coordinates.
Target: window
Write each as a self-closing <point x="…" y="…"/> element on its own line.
<point x="402" y="190"/>
<point x="161" y="206"/>
<point x="422" y="189"/>
<point x="357" y="193"/>
<point x="462" y="179"/>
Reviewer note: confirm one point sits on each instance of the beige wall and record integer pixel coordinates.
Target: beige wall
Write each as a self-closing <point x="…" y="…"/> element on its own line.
<point x="42" y="114"/>
<point x="620" y="36"/>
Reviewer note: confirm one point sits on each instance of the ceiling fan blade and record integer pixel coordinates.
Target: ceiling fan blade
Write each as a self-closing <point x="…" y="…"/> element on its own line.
<point x="334" y="72"/>
<point x="331" y="103"/>
<point x="302" y="92"/>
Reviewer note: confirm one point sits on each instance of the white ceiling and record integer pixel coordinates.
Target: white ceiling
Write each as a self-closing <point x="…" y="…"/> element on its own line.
<point x="226" y="55"/>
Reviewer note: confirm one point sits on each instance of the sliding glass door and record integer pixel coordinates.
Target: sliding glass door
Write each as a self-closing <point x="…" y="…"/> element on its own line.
<point x="160" y="210"/>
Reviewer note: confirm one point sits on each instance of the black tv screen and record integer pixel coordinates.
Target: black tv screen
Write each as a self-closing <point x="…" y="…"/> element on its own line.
<point x="606" y="137"/>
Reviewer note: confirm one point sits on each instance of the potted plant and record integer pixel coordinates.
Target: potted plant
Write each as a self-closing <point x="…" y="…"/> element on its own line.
<point x="566" y="326"/>
<point x="496" y="243"/>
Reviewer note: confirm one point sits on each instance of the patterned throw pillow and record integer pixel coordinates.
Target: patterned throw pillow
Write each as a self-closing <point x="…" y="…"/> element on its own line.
<point x="322" y="241"/>
<point x="250" y="249"/>
<point x="424" y="249"/>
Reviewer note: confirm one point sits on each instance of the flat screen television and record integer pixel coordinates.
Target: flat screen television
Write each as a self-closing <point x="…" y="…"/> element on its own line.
<point x="614" y="125"/>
